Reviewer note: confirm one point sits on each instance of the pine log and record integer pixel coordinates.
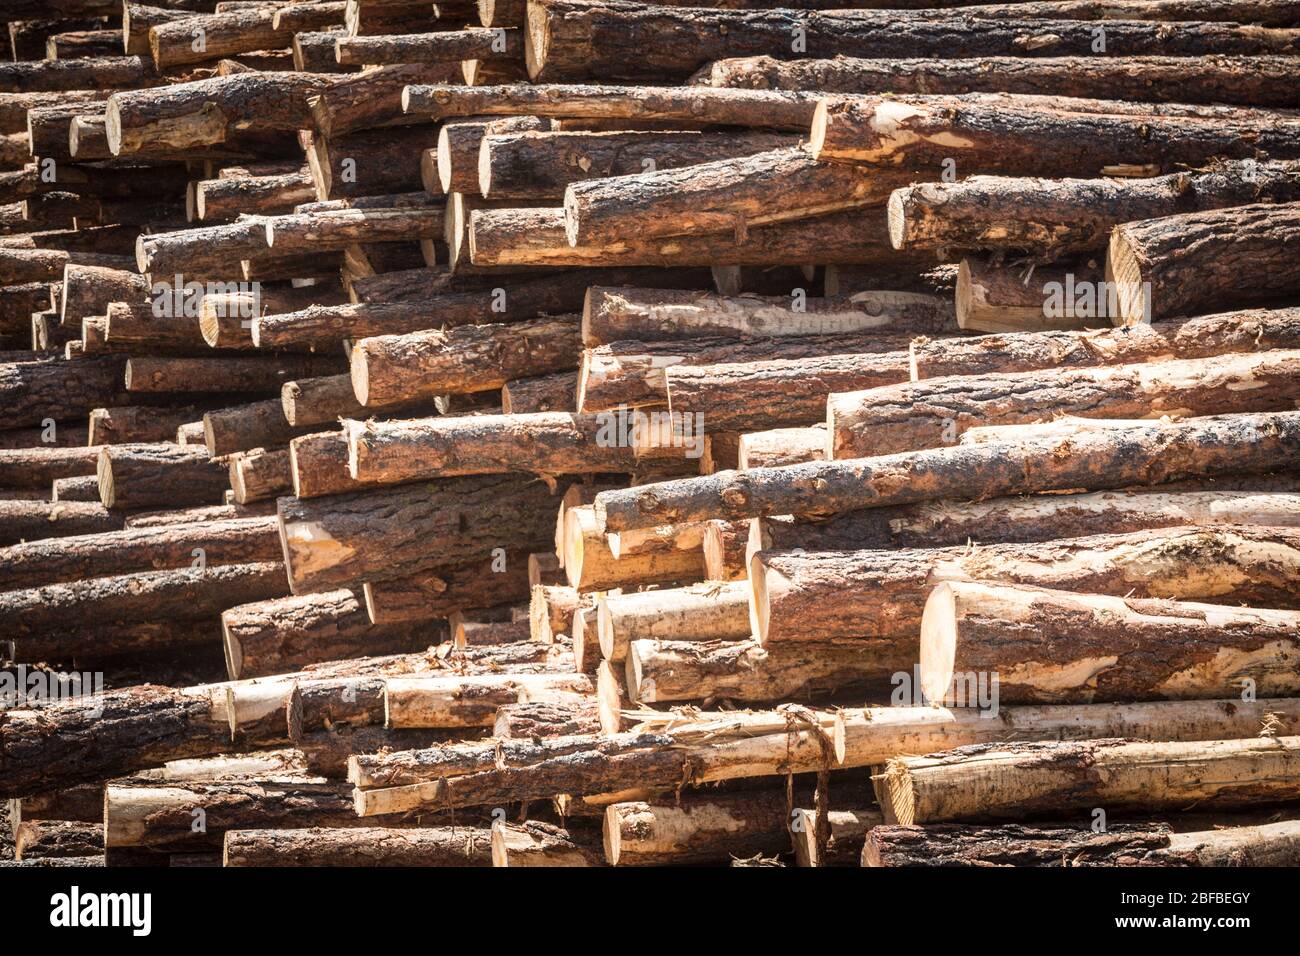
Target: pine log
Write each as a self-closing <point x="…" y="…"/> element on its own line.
<point x="368" y="162"/>
<point x="486" y="633"/>
<point x="541" y="844"/>
<point x="1102" y="459"/>
<point x="471" y="43"/>
<point x="82" y="488"/>
<point x="453" y="166"/>
<point x="374" y="98"/>
<point x="282" y="635"/>
<point x="1062" y="216"/>
<point x="46" y="839"/>
<point x="359" y="846"/>
<point x="571" y="40"/>
<point x="536" y="237"/>
<point x="936" y="411"/>
<point x="824" y="595"/>
<point x="217" y="35"/>
<point x="88" y="289"/>
<point x="309" y="232"/>
<point x="470" y="700"/>
<point x="326" y="399"/>
<point x="1118" y="647"/>
<point x="552" y="608"/>
<point x="393" y="452"/>
<point x="688" y="104"/>
<point x="240" y="374"/>
<point x="546" y="719"/>
<point x="1180" y="264"/>
<point x="37" y="468"/>
<point x="539" y="165"/>
<point x="226" y="198"/>
<point x="475" y="584"/>
<point x="697" y="829"/>
<point x="29" y="520"/>
<point x="471" y="358"/>
<point x="1015" y="140"/>
<point x="669" y="751"/>
<point x="1017" y="845"/>
<point x="318" y="465"/>
<point x="45" y="265"/>
<point x="137" y="424"/>
<point x="260" y="475"/>
<point x="47" y="561"/>
<point x="206" y="112"/>
<point x="158" y="475"/>
<point x="206" y="250"/>
<point x="1038" y="779"/>
<point x="701" y="612"/>
<point x="243" y="427"/>
<point x="1254" y="81"/>
<point x="665" y="555"/>
<point x="396" y="532"/>
<point x="612" y="314"/>
<point x="541" y="393"/>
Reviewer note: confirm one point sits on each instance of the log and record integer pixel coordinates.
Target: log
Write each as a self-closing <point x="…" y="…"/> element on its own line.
<point x="1103" y="459"/>
<point x="241" y="374"/>
<point x="541" y="393"/>
<point x="359" y="846"/>
<point x="223" y="199"/>
<point x="471" y="358"/>
<point x="1040" y="779"/>
<point x="284" y="634"/>
<point x="540" y="844"/>
<point x="206" y="112"/>
<point x="725" y="550"/>
<point x="936" y="411"/>
<point x="547" y="719"/>
<point x="669" y="670"/>
<point x="138" y="424"/>
<point x="1130" y="648"/>
<point x="217" y="35"/>
<point x="374" y="98"/>
<point x="47" y="561"/>
<point x="396" y="532"/>
<point x="313" y="51"/>
<point x="47" y="839"/>
<point x="1018" y="140"/>
<point x="368" y="162"/>
<point x="318" y="465"/>
<point x="551" y="610"/>
<point x="470" y="700"/>
<point x="613" y="314"/>
<point x="1017" y="845"/>
<point x="37" y="468"/>
<point x="162" y="475"/>
<point x="326" y="399"/>
<point x="82" y="488"/>
<point x="475" y="584"/>
<point x="824" y="595"/>
<point x="1253" y="81"/>
<point x="540" y="165"/>
<point x="1154" y="278"/>
<point x="570" y="40"/>
<point x="701" y="612"/>
<point x="26" y="520"/>
<point x="243" y="427"/>
<point x="667" y="555"/>
<point x="451" y="46"/>
<point x="453" y="166"/>
<point x="486" y="633"/>
<point x="696" y="830"/>
<point x="848" y="833"/>
<point x="992" y="297"/>
<point x="88" y="289"/>
<point x="260" y="475"/>
<point x="1058" y="217"/>
<point x="334" y="230"/>
<point x="670" y="751"/>
<point x="781" y="446"/>
<point x="416" y="449"/>
<point x="692" y="105"/>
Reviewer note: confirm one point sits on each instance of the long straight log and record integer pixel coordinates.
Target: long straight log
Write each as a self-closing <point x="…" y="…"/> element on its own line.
<point x="1249" y="80"/>
<point x="29" y="520"/>
<point x="326" y="399"/>
<point x="359" y="846"/>
<point x="218" y="35"/>
<point x="595" y="562"/>
<point x="719" y="747"/>
<point x="239" y="374"/>
<point x="696" y="830"/>
<point x="471" y="43"/>
<point x="219" y="199"/>
<point x="1086" y="647"/>
<point x="1102" y="459"/>
<point x="936" y="411"/>
<point x="309" y="232"/>
<point x="144" y="476"/>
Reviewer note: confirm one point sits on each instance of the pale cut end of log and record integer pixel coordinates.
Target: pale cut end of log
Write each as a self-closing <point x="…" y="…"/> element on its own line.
<point x="443" y="153"/>
<point x="760" y="609"/>
<point x="612" y="837"/>
<point x="571" y="216"/>
<point x="895" y="793"/>
<point x="938" y="643"/>
<point x="537" y="38"/>
<point x="360" y="374"/>
<point x="1124" y="278"/>
<point x="586" y="651"/>
<point x="817" y="129"/>
<point x="605" y="628"/>
<point x="231" y="649"/>
<point x="896" y="217"/>
<point x="609" y="697"/>
<point x="104" y="473"/>
<point x="113" y="127"/>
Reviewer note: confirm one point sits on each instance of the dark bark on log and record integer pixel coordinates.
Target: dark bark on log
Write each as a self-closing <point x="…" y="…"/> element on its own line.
<point x="260" y="475"/>
<point x="438" y="593"/>
<point x="154" y="476"/>
<point x="241" y="374"/>
<point x="325" y="846"/>
<point x="542" y="393"/>
<point x="32" y="520"/>
<point x="450" y="46"/>
<point x="137" y="424"/>
<point x="46" y="839"/>
<point x="374" y="99"/>
<point x="37" y="468"/>
<point x="243" y="427"/>
<point x="216" y="200"/>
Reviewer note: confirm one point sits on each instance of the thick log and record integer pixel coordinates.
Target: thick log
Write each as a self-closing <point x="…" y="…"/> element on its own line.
<point x="1054" y="779"/>
<point x="936" y="411"/>
<point x="671" y="670"/>
<point x="1198" y="262"/>
<point x="571" y="40"/>
<point x="1017" y="845"/>
<point x="237" y="541"/>
<point x="368" y="162"/>
<point x="453" y="166"/>
<point x="318" y="465"/>
<point x="486" y="633"/>
<point x="215" y="36"/>
<point x="1086" y="647"/>
<point x="161" y="475"/>
<point x="30" y="520"/>
<point x="547" y="719"/>
<point x="88" y="289"/>
<point x="416" y="449"/>
<point x="670" y="751"/>
<point x="1101" y="459"/>
<point x="82" y="488"/>
<point x="613" y="314"/>
<point x="260" y="475"/>
<point x="239" y="374"/>
<point x="374" y="98"/>
<point x="687" y="104"/>
<point x="450" y="46"/>
<point x="1057" y="217"/>
<point x="542" y="393"/>
<point x="489" y="582"/>
<point x="593" y="562"/>
<point x="206" y="250"/>
<point x="471" y="700"/>
<point x="701" y="612"/>
<point x="226" y="198"/>
<point x="881" y="594"/>
<point x="336" y="230"/>
<point x="396" y="532"/>
<point x="37" y="468"/>
<point x="1018" y="140"/>
<point x="781" y="446"/>
<point x="1253" y="81"/>
<point x="359" y="846"/>
<point x="696" y="829"/>
<point x="540" y="844"/>
<point x="100" y="73"/>
<point x="206" y="112"/>
<point x="285" y="634"/>
<point x="47" y="265"/>
<point x="540" y="165"/>
<point x="551" y="610"/>
<point x="137" y="424"/>
<point x="46" y="839"/>
<point x="471" y="358"/>
<point x="324" y="400"/>
<point x="244" y="427"/>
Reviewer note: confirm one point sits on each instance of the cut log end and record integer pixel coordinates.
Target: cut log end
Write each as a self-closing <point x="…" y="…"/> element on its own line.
<point x="360" y="375"/>
<point x="113" y="127"/>
<point x="609" y="696"/>
<point x="444" y="159"/>
<point x="537" y="39"/>
<point x="896" y="217"/>
<point x="104" y="474"/>
<point x="938" y="643"/>
<point x="817" y="131"/>
<point x="896" y="795"/>
<point x="1124" y="274"/>
<point x="611" y="837"/>
<point x="759" y="606"/>
<point x="234" y="654"/>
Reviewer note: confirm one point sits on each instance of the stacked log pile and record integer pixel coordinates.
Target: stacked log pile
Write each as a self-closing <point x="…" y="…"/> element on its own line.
<point x="573" y="433"/>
